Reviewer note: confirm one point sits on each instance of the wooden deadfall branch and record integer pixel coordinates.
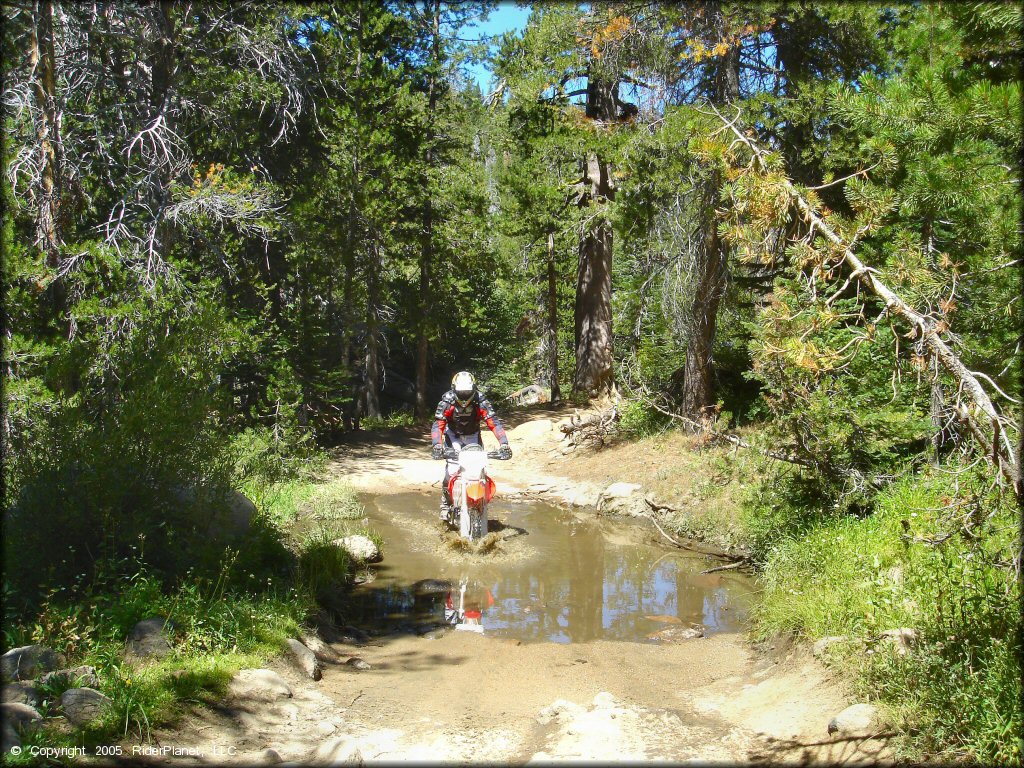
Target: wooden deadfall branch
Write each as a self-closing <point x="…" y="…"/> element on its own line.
<point x="592" y="427"/>
<point x="984" y="422"/>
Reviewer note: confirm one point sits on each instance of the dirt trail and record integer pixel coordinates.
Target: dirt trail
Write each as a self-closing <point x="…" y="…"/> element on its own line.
<point x="458" y="696"/>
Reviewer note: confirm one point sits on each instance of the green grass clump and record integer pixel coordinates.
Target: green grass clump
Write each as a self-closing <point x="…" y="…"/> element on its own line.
<point x="936" y="557"/>
<point x="334" y="500"/>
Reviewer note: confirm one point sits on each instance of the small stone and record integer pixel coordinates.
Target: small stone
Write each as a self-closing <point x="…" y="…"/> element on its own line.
<point x="357" y="663"/>
<point x="360" y="547"/>
<point x="824" y="643"/>
<point x="148" y="638"/>
<point x="28" y="662"/>
<point x="320" y="649"/>
<point x="22" y="692"/>
<point x="260" y="684"/>
<point x="305" y="659"/>
<point x="902" y="639"/>
<point x="76" y="677"/>
<point x="339" y="751"/>
<point x="270" y="756"/>
<point x="84" y="705"/>
<point x="676" y="634"/>
<point x="857" y="721"/>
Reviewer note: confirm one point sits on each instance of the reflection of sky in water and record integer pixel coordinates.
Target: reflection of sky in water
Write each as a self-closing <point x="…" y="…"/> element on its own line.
<point x="588" y="581"/>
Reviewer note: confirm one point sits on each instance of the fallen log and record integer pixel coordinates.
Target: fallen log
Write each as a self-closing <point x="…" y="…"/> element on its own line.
<point x="999" y="448"/>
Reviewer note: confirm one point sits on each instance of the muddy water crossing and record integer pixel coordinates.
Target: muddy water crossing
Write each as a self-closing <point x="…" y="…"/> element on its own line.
<point x="557" y="576"/>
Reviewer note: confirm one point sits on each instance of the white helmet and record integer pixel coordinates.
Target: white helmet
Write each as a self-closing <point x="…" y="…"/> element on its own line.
<point x="464" y="386"/>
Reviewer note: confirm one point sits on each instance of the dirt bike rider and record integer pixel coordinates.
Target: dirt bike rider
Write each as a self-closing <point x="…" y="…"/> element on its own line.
<point x="457" y="423"/>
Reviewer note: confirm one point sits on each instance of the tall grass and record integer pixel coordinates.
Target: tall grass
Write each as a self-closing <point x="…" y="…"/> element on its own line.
<point x="936" y="556"/>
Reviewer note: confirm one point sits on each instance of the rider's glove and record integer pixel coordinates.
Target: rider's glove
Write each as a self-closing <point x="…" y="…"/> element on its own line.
<point x="437" y="451"/>
<point x="506" y="451"/>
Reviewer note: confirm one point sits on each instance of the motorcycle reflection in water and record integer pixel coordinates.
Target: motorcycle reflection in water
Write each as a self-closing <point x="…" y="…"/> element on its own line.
<point x="464" y="609"/>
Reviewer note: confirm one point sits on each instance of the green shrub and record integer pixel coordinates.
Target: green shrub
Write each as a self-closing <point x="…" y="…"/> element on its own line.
<point x="935" y="558"/>
<point x="637" y="419"/>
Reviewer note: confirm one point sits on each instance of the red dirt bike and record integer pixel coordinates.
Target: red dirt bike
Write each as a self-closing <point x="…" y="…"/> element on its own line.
<point x="471" y="489"/>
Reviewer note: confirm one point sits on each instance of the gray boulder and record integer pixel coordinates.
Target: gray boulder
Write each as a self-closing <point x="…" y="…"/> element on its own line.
<point x="855" y="722"/>
<point x="21" y="716"/>
<point x="259" y="684"/>
<point x="232" y="513"/>
<point x="360" y="548"/>
<point x="84" y="705"/>
<point x="76" y="677"/>
<point x="22" y="692"/>
<point x="9" y="738"/>
<point x="320" y="649"/>
<point x="148" y="638"/>
<point x="305" y="659"/>
<point x="28" y="662"/>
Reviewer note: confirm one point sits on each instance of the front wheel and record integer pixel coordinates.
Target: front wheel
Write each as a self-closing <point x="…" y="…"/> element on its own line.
<point x="478" y="523"/>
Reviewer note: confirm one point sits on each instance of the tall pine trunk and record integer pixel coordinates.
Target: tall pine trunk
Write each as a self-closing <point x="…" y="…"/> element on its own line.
<point x="552" y="322"/>
<point x="593" y="309"/>
<point x="48" y="132"/>
<point x="710" y="266"/>
<point x="351" y="410"/>
<point x="427" y="249"/>
<point x="371" y="391"/>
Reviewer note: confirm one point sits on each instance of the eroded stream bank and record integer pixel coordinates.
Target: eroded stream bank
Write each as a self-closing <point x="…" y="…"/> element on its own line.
<point x="557" y="575"/>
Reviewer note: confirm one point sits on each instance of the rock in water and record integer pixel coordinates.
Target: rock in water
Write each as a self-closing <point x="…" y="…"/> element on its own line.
<point x="148" y="638"/>
<point x="676" y="634"/>
<point x="260" y="684"/>
<point x="84" y="705"/>
<point x="360" y="547"/>
<point x="305" y="659"/>
<point x="22" y="692"/>
<point x="339" y="751"/>
<point x="28" y="662"/>
<point x="432" y="586"/>
<point x="664" y="619"/>
<point x="858" y="721"/>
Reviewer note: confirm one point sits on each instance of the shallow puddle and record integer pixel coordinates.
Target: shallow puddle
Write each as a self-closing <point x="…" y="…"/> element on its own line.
<point x="558" y="575"/>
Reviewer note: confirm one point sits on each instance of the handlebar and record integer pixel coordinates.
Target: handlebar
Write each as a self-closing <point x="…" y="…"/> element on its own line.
<point x="452" y="454"/>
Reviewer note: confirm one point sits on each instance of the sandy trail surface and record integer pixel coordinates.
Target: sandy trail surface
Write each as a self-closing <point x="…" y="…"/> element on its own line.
<point x="454" y="697"/>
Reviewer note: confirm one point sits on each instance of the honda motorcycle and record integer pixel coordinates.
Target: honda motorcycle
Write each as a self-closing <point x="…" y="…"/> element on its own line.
<point x="471" y="489"/>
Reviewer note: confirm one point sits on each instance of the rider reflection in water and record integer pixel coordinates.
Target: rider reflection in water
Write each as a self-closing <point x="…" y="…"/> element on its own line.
<point x="457" y="424"/>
